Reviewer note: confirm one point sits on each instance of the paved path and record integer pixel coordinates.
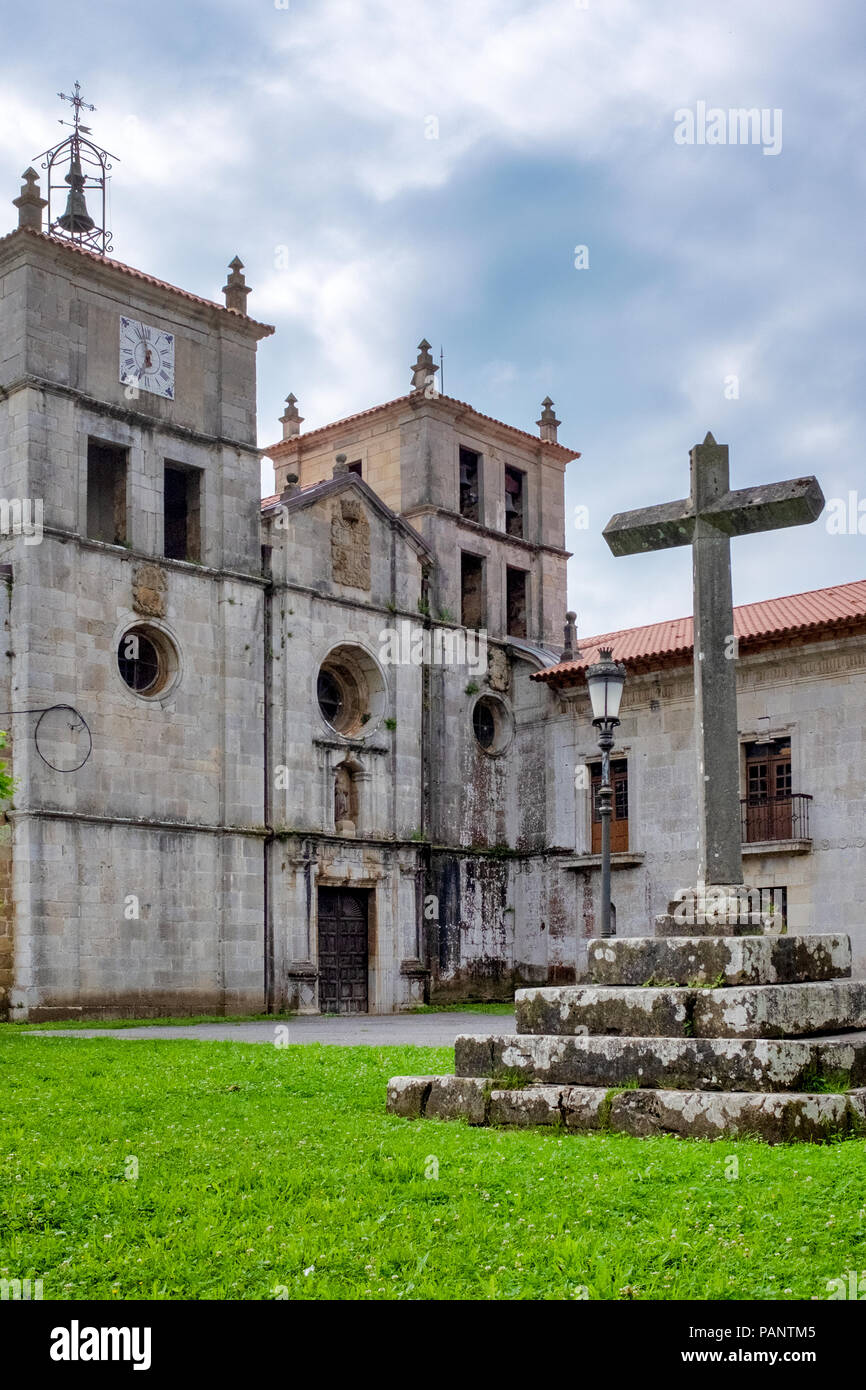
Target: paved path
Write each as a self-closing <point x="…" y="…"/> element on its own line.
<point x="384" y="1030"/>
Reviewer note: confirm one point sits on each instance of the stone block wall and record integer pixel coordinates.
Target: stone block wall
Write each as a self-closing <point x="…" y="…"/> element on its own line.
<point x="125" y="921"/>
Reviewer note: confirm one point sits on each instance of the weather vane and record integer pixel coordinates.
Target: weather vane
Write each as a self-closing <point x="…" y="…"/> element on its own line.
<point x="88" y="173"/>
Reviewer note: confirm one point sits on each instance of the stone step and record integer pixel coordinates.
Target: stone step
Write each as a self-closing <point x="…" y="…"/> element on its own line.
<point x="669" y="924"/>
<point x="714" y="910"/>
<point x="743" y="1011"/>
<point x="774" y="1117"/>
<point x="726" y="960"/>
<point x="700" y="1064"/>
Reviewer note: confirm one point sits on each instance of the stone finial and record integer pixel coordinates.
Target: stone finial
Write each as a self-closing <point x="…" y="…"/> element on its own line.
<point x="548" y="423"/>
<point x="290" y="487"/>
<point x="291" y="421"/>
<point x="236" y="288"/>
<point x="571" y="651"/>
<point x="30" y="202"/>
<point x="424" y="370"/>
<point x="341" y="466"/>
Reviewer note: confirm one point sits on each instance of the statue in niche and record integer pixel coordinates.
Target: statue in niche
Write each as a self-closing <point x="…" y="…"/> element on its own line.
<point x="345" y="801"/>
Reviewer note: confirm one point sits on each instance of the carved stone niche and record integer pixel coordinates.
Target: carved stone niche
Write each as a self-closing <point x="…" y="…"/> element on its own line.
<point x="148" y="590"/>
<point x="350" y="543"/>
<point x="347" y="778"/>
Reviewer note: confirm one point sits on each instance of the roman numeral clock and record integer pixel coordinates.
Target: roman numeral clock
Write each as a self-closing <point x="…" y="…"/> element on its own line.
<point x="146" y="358"/>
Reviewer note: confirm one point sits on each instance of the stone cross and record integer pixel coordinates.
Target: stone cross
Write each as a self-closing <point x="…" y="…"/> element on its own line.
<point x="706" y="520"/>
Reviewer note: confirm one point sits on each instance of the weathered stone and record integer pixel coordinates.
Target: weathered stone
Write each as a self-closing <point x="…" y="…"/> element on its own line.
<point x="535" y="1105"/>
<point x="575" y="1107"/>
<point x="775" y="1118"/>
<point x="498" y="669"/>
<point x="148" y="590"/>
<point x="407" y="1095"/>
<point x="705" y="1064"/>
<point x="779" y="1011"/>
<point x="350" y="543"/>
<point x="458" y="1098"/>
<point x="585" y="1107"/>
<point x="666" y="924"/>
<point x="746" y="1011"/>
<point x="748" y="960"/>
<point x="613" y="1010"/>
<point x="439" y="1098"/>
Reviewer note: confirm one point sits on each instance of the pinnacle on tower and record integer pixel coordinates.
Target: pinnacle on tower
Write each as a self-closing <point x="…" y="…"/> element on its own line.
<point x="570" y="651"/>
<point x="236" y="288"/>
<point x="290" y="420"/>
<point x="30" y="202"/>
<point x="548" y="423"/>
<point x="424" y="370"/>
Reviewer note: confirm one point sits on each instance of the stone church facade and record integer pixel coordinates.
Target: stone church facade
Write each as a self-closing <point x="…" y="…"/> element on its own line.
<point x="319" y="752"/>
<point x="268" y="756"/>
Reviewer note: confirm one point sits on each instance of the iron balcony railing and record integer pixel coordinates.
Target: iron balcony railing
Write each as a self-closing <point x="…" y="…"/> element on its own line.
<point x="774" y="818"/>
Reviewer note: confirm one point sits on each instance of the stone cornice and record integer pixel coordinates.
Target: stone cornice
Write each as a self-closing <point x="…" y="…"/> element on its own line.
<point x="136" y="418"/>
<point x="477" y="529"/>
<point x="403" y="409"/>
<point x="125" y="553"/>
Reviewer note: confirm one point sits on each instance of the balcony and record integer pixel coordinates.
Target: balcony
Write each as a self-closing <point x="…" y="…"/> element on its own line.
<point x="776" y="824"/>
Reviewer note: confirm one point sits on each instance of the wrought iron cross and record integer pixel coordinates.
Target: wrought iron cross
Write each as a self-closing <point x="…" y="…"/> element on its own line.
<point x="78" y="105"/>
<point x="706" y="520"/>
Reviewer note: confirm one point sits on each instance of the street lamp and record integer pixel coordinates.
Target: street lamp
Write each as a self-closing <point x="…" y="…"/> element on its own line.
<point x="605" y="679"/>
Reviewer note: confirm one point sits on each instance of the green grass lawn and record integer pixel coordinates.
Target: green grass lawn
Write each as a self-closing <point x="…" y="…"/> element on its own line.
<point x="229" y="1170"/>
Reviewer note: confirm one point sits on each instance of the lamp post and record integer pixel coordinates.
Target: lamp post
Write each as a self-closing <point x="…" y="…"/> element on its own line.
<point x="605" y="679"/>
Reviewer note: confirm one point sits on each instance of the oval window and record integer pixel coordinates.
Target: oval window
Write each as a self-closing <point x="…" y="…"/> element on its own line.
<point x="492" y="724"/>
<point x="146" y="660"/>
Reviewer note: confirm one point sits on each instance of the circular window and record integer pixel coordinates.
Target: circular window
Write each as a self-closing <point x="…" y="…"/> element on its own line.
<point x="492" y="724"/>
<point x="350" y="691"/>
<point x="146" y="660"/>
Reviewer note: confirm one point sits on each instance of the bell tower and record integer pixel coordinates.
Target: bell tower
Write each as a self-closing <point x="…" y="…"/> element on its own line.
<point x="132" y="666"/>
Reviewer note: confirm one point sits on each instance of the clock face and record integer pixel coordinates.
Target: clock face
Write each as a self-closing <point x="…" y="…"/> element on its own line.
<point x="146" y="358"/>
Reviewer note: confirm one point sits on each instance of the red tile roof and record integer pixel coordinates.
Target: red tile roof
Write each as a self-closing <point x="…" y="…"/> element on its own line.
<point x="285" y="446"/>
<point x="266" y="328"/>
<point x="818" y="612"/>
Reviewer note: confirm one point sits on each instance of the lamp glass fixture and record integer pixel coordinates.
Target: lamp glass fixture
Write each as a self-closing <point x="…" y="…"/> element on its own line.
<point x="605" y="679"/>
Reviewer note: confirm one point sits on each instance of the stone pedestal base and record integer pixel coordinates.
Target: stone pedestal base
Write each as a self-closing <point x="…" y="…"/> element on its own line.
<point x="715" y="909"/>
<point x="695" y="1035"/>
<point x="777" y="1118"/>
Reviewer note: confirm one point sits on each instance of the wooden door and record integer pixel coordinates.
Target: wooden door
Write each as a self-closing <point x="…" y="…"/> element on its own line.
<point x="343" y="950"/>
<point x="768" y="791"/>
<point x="619" y="819"/>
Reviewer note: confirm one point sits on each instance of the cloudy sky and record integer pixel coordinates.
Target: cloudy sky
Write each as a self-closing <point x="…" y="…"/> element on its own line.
<point x="388" y="171"/>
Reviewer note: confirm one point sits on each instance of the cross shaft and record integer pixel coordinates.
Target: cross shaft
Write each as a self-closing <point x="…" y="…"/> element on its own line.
<point x="706" y="520"/>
